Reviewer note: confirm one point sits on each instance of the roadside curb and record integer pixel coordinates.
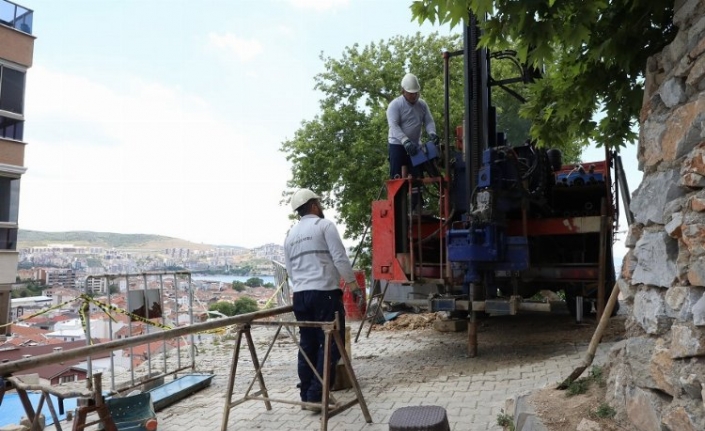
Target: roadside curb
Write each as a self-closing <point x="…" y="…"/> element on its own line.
<point x="525" y="418"/>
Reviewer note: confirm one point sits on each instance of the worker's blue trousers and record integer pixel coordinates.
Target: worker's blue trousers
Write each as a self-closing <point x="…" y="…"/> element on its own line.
<point x="317" y="306"/>
<point x="398" y="158"/>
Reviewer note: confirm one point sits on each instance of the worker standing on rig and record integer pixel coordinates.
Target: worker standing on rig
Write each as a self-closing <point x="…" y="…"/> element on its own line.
<point x="315" y="262"/>
<point x="407" y="115"/>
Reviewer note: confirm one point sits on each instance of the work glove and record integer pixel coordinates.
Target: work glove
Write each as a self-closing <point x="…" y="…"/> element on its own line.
<point x="356" y="293"/>
<point x="411" y="149"/>
<point x="434" y="138"/>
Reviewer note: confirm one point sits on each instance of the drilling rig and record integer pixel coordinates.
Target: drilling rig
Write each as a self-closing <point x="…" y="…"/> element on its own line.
<point x="510" y="220"/>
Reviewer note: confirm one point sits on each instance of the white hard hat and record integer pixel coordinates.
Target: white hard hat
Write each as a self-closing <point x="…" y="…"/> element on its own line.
<point x="301" y="196"/>
<point x="410" y="83"/>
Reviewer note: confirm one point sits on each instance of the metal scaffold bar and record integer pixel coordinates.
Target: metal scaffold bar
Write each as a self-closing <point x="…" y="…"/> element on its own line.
<point x="50" y="358"/>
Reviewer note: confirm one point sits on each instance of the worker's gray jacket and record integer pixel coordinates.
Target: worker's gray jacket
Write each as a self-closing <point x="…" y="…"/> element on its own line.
<point x="406" y="120"/>
<point x="315" y="255"/>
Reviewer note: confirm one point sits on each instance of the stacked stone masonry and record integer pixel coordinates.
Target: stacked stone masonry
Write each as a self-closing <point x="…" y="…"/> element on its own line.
<point x="657" y="380"/>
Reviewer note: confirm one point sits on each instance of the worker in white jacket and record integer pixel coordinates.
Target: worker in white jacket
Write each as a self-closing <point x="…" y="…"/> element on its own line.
<point x="316" y="260"/>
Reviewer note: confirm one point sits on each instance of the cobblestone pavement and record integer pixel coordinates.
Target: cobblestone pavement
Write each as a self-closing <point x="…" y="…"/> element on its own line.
<point x="394" y="368"/>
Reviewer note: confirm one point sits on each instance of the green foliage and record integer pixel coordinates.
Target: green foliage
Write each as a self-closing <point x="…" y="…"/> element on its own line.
<point x="577" y="387"/>
<point x="580" y="386"/>
<point x="174" y="268"/>
<point x="594" y="54"/>
<point x="605" y="411"/>
<point x="31" y="288"/>
<point x="104" y="239"/>
<point x="245" y="305"/>
<point x="505" y="420"/>
<point x="597" y="374"/>
<point x="93" y="262"/>
<point x="113" y="288"/>
<point x="238" y="285"/>
<point x="254" y="282"/>
<point x="28" y="238"/>
<point x="269" y="285"/>
<point x="227" y="308"/>
<point x="241" y="270"/>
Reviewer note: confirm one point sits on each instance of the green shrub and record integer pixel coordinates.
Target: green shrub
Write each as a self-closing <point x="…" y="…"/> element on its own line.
<point x="596" y="373"/>
<point x="578" y="387"/>
<point x="605" y="411"/>
<point x="505" y="420"/>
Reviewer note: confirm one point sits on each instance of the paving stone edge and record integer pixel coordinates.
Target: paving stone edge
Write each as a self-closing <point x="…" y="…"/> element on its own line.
<point x="525" y="418"/>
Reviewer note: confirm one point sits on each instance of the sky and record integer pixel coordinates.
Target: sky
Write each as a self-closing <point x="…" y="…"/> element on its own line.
<point x="166" y="117"/>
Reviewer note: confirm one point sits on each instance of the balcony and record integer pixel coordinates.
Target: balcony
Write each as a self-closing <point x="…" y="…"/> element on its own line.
<point x="8" y="269"/>
<point x="16" y="16"/>
<point x="11" y="151"/>
<point x="16" y="39"/>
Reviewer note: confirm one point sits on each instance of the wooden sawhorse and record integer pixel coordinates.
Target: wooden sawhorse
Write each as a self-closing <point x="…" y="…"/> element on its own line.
<point x="20" y="384"/>
<point x="331" y="331"/>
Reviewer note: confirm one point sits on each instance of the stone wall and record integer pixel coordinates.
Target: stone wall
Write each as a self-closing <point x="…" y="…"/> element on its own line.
<point x="657" y="377"/>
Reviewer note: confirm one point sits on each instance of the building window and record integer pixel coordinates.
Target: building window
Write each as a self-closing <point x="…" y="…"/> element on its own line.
<point x="11" y="128"/>
<point x="12" y="83"/>
<point x="9" y="199"/>
<point x="8" y="238"/>
<point x="9" y="209"/>
<point x="11" y="90"/>
<point x="68" y="379"/>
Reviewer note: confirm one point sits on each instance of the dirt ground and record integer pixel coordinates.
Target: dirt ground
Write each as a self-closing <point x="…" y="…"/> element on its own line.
<point x="560" y="412"/>
<point x="512" y="339"/>
<point x="522" y="329"/>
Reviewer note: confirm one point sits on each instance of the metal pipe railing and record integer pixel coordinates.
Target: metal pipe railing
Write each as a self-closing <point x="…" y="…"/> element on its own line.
<point x="51" y="358"/>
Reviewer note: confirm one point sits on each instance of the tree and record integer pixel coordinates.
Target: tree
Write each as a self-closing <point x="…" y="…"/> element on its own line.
<point x="594" y="54"/>
<point x="245" y="305"/>
<point x="227" y="308"/>
<point x="174" y="268"/>
<point x="238" y="285"/>
<point x="254" y="282"/>
<point x="241" y="270"/>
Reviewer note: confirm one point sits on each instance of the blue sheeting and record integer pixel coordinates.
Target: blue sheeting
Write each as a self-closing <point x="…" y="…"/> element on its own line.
<point x="11" y="409"/>
<point x="176" y="390"/>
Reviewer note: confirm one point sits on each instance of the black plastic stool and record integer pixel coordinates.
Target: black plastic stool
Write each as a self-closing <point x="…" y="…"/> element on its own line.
<point x="419" y="418"/>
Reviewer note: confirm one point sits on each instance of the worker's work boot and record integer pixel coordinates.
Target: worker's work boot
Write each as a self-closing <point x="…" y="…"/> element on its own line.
<point x="315" y="409"/>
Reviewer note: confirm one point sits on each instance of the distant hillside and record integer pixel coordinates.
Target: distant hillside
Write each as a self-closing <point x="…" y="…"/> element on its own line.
<point x="33" y="238"/>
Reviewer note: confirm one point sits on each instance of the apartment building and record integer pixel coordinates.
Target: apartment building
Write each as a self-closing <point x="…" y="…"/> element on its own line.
<point x="270" y="251"/>
<point x="16" y="53"/>
<point x="97" y="285"/>
<point x="58" y="277"/>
